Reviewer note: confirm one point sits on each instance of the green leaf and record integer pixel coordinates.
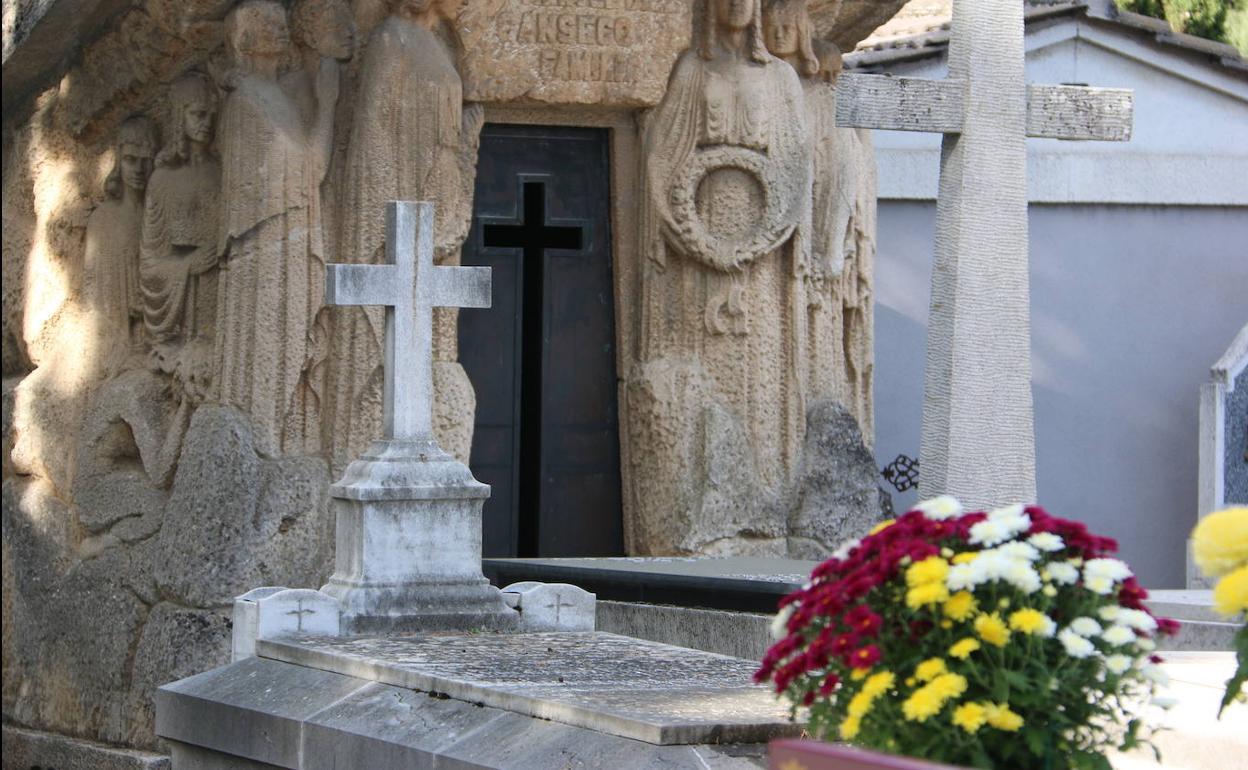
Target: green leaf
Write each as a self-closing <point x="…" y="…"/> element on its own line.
<point x="1236" y="682"/>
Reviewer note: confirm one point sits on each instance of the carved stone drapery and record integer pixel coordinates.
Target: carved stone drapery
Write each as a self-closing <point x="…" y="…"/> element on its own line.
<point x="411" y="138"/>
<point x="717" y="402"/>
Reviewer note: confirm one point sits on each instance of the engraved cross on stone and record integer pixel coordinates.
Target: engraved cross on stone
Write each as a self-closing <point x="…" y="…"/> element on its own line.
<point x="978" y="440"/>
<point x="409" y="285"/>
<point x="299" y="612"/>
<point x="557" y="605"/>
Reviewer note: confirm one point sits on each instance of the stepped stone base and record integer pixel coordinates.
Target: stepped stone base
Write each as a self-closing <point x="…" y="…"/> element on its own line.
<point x="25" y="749"/>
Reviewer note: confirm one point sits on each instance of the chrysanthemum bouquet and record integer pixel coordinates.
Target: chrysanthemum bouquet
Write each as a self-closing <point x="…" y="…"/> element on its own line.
<point x="1007" y="639"/>
<point x="1220" y="545"/>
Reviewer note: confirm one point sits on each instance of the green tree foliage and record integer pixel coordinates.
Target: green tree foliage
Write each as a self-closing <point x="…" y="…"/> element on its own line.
<point x="1223" y="20"/>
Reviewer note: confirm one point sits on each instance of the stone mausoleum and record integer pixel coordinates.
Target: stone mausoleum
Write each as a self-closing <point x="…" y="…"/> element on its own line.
<point x="677" y="360"/>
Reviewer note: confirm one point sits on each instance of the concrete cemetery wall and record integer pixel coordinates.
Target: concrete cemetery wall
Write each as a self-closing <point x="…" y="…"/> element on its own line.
<point x="1130" y="304"/>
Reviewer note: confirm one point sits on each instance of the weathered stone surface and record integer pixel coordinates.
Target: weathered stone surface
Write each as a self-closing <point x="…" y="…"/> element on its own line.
<point x="27" y="749"/>
<point x="611" y="684"/>
<point x="127" y="454"/>
<point x="272" y="612"/>
<point x="740" y="634"/>
<point x="176" y="643"/>
<point x="840" y="496"/>
<point x="262" y="711"/>
<point x="610" y="53"/>
<point x="235" y="520"/>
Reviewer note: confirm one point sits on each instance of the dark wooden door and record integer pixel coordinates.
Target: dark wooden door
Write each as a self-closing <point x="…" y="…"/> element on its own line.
<point x="542" y="359"/>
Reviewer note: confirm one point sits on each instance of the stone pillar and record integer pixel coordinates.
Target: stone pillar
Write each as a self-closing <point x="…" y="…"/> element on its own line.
<point x="409" y="544"/>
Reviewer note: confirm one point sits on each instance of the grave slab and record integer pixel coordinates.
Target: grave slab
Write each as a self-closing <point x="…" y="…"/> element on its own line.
<point x="611" y="684"/>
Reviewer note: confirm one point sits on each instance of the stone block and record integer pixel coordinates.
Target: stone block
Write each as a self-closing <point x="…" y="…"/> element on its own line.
<point x="740" y="634"/>
<point x="243" y="519"/>
<point x="176" y="642"/>
<point x="272" y="612"/>
<point x="839" y="492"/>
<point x="27" y="749"/>
<point x="551" y="606"/>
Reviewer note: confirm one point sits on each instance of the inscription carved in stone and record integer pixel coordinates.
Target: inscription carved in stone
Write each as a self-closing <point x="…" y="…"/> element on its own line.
<point x="605" y="52"/>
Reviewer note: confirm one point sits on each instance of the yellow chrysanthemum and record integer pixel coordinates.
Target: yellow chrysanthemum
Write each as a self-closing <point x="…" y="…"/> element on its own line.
<point x="966" y="557"/>
<point x="928" y="593"/>
<point x="879" y="683"/>
<point x="850" y="727"/>
<point x="970" y="716"/>
<point x="933" y="569"/>
<point x="859" y="674"/>
<point x="1000" y="717"/>
<point x="930" y="669"/>
<point x="948" y="685"/>
<point x="963" y="648"/>
<point x="1029" y="621"/>
<point x="1220" y="541"/>
<point x="922" y="703"/>
<point x="883" y="525"/>
<point x="992" y="629"/>
<point x="1230" y="595"/>
<point x="961" y="606"/>
<point x="859" y="705"/>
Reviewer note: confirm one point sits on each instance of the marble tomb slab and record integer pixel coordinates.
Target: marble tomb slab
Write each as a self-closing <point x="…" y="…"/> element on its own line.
<point x="611" y="684"/>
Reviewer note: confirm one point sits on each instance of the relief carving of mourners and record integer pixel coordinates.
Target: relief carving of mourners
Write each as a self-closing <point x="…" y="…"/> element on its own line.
<point x="842" y="232"/>
<point x="271" y="233"/>
<point x="178" y="262"/>
<point x="411" y="138"/>
<point x="721" y="390"/>
<point x="111" y="261"/>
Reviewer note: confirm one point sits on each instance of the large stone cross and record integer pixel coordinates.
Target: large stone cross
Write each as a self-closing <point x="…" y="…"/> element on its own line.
<point x="978" y="439"/>
<point x="409" y="286"/>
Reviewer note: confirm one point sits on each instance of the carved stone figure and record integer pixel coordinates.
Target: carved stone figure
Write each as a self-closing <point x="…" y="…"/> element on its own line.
<point x="843" y="206"/>
<point x="111" y="260"/>
<point x="178" y="261"/>
<point x="271" y="234"/>
<point x="411" y="138"/>
<point x="717" y="406"/>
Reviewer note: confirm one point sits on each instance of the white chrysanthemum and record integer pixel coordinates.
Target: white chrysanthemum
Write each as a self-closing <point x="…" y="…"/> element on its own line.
<point x="1022" y="576"/>
<point x="780" y="623"/>
<point x="1155" y="674"/>
<point x="1118" y="664"/>
<point x="1099" y="584"/>
<point x="1165" y="702"/>
<point x="1147" y="645"/>
<point x="961" y="577"/>
<point x="938" y="508"/>
<point x="842" y="553"/>
<point x="1118" y="635"/>
<point x="1076" y="646"/>
<point x="1110" y="612"/>
<point x="1047" y="541"/>
<point x="993" y="531"/>
<point x="1017" y="550"/>
<point x="1137" y="619"/>
<point x="1113" y="569"/>
<point x="1063" y="572"/>
<point x="1047" y="628"/>
<point x="1008" y="512"/>
<point x="1085" y="626"/>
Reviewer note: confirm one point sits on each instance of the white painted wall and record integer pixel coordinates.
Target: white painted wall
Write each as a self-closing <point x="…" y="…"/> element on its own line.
<point x="1130" y="302"/>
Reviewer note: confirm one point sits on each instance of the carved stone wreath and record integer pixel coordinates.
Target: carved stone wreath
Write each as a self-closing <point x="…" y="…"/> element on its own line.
<point x="726" y="253"/>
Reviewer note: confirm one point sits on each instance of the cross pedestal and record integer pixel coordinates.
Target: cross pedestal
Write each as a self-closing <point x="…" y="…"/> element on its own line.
<point x="408" y="538"/>
<point x="978" y="439"/>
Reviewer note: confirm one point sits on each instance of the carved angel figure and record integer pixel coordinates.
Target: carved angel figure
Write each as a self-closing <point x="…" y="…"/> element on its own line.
<point x="111" y="262"/>
<point x="270" y="235"/>
<point x="726" y="218"/>
<point x="411" y="138"/>
<point x="178" y="262"/>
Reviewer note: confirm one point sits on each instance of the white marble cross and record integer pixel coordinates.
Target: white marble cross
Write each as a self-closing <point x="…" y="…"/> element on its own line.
<point x="409" y="286"/>
<point x="978" y="440"/>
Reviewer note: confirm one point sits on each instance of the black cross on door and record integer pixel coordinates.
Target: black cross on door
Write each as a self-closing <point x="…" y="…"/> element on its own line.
<point x="542" y="360"/>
